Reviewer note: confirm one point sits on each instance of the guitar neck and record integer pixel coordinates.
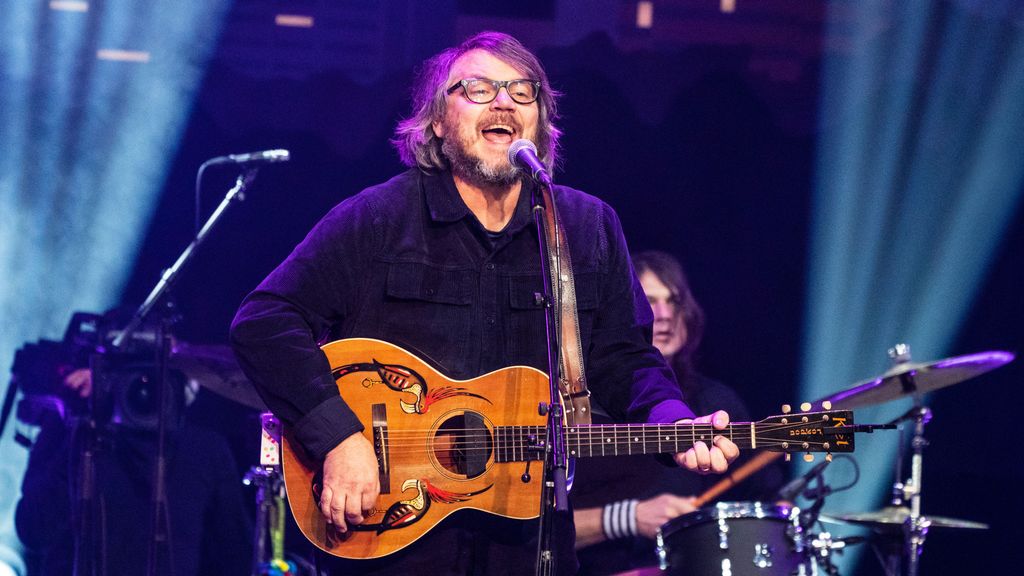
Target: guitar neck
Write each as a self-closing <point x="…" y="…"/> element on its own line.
<point x="627" y="439"/>
<point x="514" y="443"/>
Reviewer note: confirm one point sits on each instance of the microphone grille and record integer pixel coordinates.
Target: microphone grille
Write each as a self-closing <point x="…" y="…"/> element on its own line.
<point x="516" y="147"/>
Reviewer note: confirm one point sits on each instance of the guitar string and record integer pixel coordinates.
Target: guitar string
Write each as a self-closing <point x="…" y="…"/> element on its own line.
<point x="623" y="447"/>
<point x="588" y="439"/>
<point x="615" y="432"/>
<point x="518" y="445"/>
<point x="528" y="449"/>
<point x="585" y="441"/>
<point x="521" y="440"/>
<point x="585" y="444"/>
<point x="679" y="428"/>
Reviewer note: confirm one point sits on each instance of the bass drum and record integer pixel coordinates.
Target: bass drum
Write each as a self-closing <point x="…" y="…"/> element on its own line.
<point x="734" y="539"/>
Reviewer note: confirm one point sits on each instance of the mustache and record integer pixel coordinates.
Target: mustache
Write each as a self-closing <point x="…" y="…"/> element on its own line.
<point x="500" y="118"/>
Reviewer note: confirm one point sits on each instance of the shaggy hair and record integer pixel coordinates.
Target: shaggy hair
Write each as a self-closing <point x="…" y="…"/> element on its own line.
<point x="414" y="137"/>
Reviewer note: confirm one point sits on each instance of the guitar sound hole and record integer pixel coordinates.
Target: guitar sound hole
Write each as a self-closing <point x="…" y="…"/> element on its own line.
<point x="463" y="445"/>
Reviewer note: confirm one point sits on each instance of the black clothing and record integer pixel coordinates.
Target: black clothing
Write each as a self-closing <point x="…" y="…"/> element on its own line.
<point x="407" y="262"/>
<point x="210" y="531"/>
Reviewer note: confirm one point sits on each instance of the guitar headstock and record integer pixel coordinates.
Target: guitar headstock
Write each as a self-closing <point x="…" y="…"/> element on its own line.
<point x="825" y="431"/>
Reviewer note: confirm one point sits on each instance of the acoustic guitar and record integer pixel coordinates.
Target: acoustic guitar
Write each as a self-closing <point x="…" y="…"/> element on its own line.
<point x="444" y="445"/>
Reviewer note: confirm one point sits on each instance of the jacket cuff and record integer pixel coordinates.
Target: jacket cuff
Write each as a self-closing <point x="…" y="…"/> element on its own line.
<point x="669" y="411"/>
<point x="325" y="426"/>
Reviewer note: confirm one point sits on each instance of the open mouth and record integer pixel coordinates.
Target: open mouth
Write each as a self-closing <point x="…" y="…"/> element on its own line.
<point x="499" y="133"/>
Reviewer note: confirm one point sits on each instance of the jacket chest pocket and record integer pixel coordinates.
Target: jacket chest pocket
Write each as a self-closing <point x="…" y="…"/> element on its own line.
<point x="527" y="338"/>
<point x="428" y="308"/>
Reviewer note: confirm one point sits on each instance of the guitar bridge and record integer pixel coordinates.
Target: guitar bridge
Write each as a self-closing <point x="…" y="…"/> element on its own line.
<point x="379" y="415"/>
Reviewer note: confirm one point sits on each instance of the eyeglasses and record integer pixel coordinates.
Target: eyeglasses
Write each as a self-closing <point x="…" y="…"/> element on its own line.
<point x="484" y="91"/>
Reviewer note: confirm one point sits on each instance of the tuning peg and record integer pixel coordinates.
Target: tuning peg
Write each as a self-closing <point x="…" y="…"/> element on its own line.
<point x="828" y="457"/>
<point x="805" y="407"/>
<point x="789" y="457"/>
<point x="808" y="457"/>
<point x="826" y="405"/>
<point x="786" y="408"/>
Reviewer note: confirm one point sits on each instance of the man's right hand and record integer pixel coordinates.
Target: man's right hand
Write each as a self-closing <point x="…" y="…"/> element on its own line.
<point x="351" y="484"/>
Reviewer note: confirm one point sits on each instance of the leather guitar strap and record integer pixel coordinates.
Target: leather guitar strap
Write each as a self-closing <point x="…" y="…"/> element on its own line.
<point x="573" y="381"/>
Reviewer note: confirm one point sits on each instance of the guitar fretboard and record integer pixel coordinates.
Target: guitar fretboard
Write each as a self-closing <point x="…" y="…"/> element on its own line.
<point x="519" y="443"/>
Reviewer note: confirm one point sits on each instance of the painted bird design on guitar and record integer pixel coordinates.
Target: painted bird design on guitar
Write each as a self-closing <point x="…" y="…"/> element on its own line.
<point x="402" y="379"/>
<point x="405" y="512"/>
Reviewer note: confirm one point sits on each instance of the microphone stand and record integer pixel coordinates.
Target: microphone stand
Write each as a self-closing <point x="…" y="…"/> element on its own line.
<point x="89" y="551"/>
<point x="554" y="495"/>
<point x="170" y="275"/>
<point x="159" y="529"/>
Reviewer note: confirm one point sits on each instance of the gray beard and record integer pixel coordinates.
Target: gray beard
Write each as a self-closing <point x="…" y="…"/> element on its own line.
<point x="474" y="170"/>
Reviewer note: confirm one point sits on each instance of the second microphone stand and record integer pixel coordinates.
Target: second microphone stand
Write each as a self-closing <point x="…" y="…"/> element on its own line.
<point x="159" y="536"/>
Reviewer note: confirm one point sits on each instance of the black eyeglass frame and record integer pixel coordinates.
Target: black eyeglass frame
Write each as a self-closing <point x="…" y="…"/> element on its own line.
<point x="498" y="85"/>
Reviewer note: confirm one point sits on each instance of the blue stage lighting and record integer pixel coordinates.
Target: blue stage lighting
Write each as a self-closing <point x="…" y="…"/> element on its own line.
<point x="85" y="146"/>
<point x="919" y="173"/>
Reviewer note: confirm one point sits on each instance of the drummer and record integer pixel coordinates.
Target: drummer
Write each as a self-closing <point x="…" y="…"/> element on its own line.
<point x="622" y="501"/>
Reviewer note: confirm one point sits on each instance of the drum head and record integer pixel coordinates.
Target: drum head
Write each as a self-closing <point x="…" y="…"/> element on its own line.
<point x="736" y="538"/>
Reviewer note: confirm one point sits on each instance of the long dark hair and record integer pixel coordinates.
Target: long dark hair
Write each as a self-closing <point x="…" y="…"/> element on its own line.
<point x="670" y="272"/>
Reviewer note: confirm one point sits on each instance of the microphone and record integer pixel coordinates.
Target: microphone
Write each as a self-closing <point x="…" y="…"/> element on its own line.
<point x="793" y="489"/>
<point x="251" y="157"/>
<point x="523" y="154"/>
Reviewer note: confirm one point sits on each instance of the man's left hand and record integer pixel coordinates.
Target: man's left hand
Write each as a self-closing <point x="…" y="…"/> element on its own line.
<point x="703" y="459"/>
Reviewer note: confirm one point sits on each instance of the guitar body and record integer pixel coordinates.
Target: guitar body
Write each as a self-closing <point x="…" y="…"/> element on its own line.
<point x="435" y="441"/>
<point x="443" y="445"/>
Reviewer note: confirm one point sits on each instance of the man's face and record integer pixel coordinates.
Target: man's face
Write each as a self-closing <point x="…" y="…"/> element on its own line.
<point x="477" y="136"/>
<point x="669" y="327"/>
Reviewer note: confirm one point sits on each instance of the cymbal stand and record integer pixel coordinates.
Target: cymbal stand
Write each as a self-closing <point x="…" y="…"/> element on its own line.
<point x="915" y="529"/>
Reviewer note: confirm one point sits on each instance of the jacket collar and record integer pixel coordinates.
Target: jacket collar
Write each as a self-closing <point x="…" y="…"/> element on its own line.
<point x="445" y="204"/>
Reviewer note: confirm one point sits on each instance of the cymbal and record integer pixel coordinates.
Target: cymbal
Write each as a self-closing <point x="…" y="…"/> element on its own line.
<point x="911" y="378"/>
<point x="893" y="517"/>
<point x="215" y="368"/>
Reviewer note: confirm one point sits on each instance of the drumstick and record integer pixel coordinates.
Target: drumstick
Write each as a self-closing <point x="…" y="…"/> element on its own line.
<point x="739" y="475"/>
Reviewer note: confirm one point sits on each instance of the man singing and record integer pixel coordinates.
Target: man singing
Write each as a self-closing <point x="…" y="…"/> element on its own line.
<point x="443" y="260"/>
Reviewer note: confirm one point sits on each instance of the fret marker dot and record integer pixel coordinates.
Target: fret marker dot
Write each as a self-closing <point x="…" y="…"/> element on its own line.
<point x="635" y="439"/>
<point x="607" y="439"/>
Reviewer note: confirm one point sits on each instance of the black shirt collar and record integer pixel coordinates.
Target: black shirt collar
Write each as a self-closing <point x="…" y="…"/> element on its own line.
<point x="445" y="204"/>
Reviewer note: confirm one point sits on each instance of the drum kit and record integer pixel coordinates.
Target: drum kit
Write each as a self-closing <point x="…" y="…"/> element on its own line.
<point x="744" y="538"/>
<point x="748" y="538"/>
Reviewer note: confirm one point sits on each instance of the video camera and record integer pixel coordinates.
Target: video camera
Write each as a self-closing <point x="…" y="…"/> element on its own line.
<point x="125" y="382"/>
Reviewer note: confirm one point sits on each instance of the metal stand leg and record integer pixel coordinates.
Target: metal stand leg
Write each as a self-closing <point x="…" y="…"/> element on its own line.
<point x="915" y="528"/>
<point x="270" y="506"/>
